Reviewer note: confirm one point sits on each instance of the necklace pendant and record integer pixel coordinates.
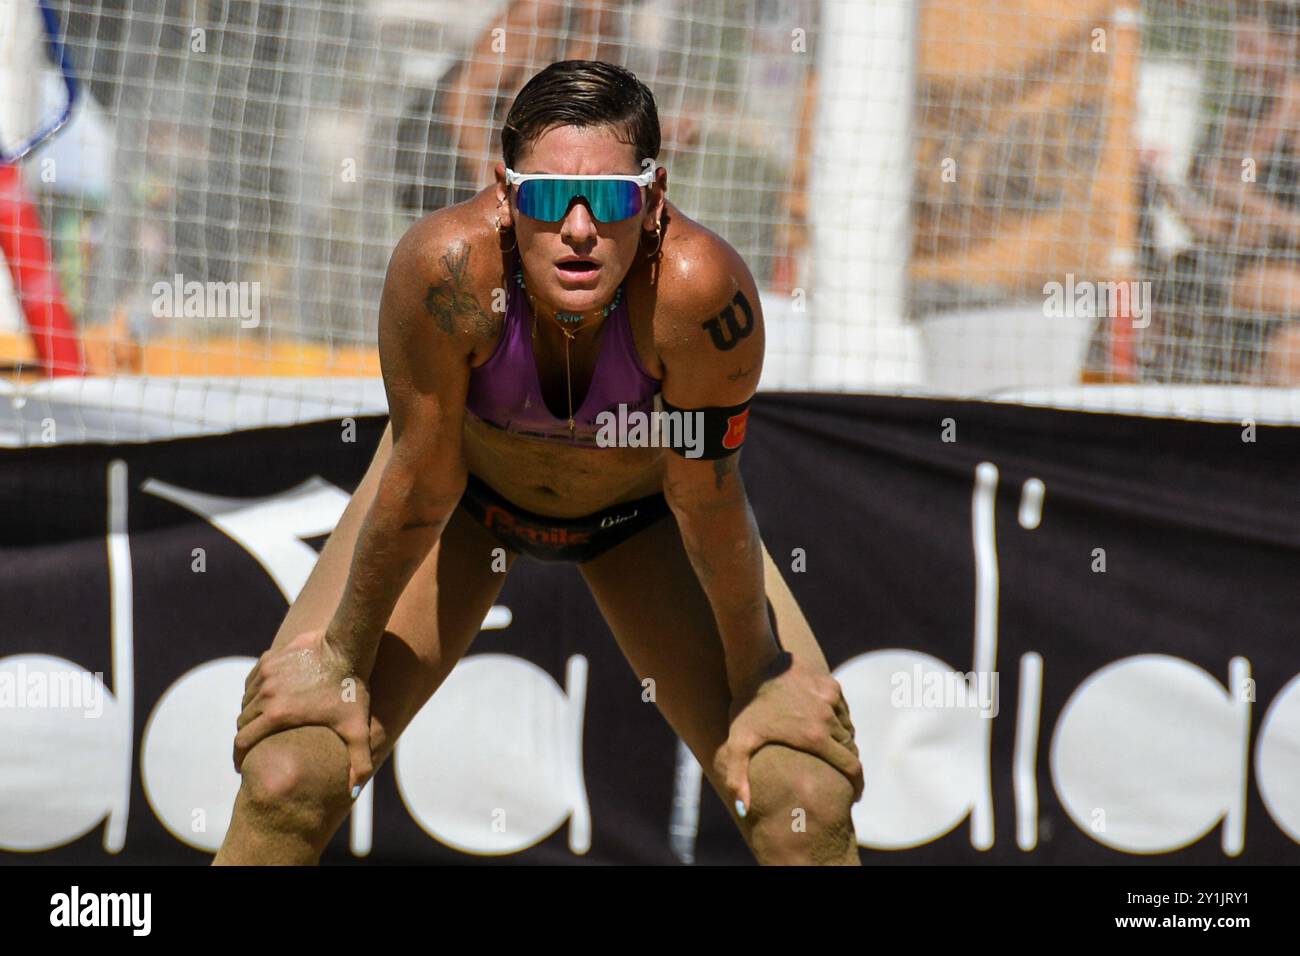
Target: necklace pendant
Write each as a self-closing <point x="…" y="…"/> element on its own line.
<point x="571" y="426"/>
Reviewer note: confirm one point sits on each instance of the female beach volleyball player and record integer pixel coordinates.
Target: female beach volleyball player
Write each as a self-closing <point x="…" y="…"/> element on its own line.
<point x="613" y="301"/>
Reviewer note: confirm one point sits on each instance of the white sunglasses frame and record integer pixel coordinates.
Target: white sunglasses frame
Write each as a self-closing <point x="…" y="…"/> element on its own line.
<point x="644" y="179"/>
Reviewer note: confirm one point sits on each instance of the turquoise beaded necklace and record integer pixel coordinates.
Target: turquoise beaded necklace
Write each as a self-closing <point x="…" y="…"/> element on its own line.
<point x="572" y="317"/>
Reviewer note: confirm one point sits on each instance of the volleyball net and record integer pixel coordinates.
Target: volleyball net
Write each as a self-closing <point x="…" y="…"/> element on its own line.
<point x="1061" y="201"/>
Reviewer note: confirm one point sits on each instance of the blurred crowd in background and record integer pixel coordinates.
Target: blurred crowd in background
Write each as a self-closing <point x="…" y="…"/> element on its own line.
<point x="305" y="137"/>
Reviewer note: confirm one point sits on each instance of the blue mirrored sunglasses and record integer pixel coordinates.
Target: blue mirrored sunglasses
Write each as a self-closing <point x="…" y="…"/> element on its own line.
<point x="547" y="197"/>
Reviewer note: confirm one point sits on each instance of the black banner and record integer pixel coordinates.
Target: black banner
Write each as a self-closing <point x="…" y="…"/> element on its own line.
<point x="1065" y="637"/>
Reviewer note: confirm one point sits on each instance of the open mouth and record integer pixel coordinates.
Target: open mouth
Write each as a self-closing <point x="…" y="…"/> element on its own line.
<point x="578" y="266"/>
<point x="578" y="270"/>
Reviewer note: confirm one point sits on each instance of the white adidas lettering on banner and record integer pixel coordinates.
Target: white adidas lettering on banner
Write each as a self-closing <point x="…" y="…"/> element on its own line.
<point x="1159" y="719"/>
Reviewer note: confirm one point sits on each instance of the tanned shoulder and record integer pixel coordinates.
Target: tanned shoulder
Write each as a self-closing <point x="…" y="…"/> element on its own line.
<point x="708" y="304"/>
<point x="454" y="256"/>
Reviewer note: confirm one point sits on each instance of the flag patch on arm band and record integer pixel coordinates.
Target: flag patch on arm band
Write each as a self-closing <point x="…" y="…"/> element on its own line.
<point x="705" y="433"/>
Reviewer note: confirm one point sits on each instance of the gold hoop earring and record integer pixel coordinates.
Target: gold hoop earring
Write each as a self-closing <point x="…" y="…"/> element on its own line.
<point x="512" y="245"/>
<point x="659" y="245"/>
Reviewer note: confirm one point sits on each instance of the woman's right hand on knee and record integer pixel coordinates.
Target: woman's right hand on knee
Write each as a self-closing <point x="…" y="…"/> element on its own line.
<point x="307" y="682"/>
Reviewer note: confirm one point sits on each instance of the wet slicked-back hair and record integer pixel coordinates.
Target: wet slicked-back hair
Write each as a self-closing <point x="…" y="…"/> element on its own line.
<point x="582" y="93"/>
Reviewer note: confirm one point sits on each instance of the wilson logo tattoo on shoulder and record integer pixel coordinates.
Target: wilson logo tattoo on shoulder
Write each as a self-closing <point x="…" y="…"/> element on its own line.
<point x="725" y="329"/>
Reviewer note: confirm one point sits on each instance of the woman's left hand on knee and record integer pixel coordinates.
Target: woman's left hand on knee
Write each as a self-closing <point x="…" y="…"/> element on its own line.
<point x="804" y="708"/>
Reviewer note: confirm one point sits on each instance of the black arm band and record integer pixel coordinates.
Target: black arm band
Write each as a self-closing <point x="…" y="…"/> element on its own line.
<point x="705" y="433"/>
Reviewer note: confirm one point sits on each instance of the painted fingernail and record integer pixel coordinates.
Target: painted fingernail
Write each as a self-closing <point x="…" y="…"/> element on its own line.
<point x="740" y="809"/>
<point x="356" y="791"/>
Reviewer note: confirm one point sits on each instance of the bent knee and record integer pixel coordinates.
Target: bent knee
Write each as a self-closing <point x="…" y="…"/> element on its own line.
<point x="304" y="770"/>
<point x="800" y="808"/>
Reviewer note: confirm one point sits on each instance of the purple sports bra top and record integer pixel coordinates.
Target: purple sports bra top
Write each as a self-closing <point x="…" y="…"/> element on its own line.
<point x="505" y="391"/>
